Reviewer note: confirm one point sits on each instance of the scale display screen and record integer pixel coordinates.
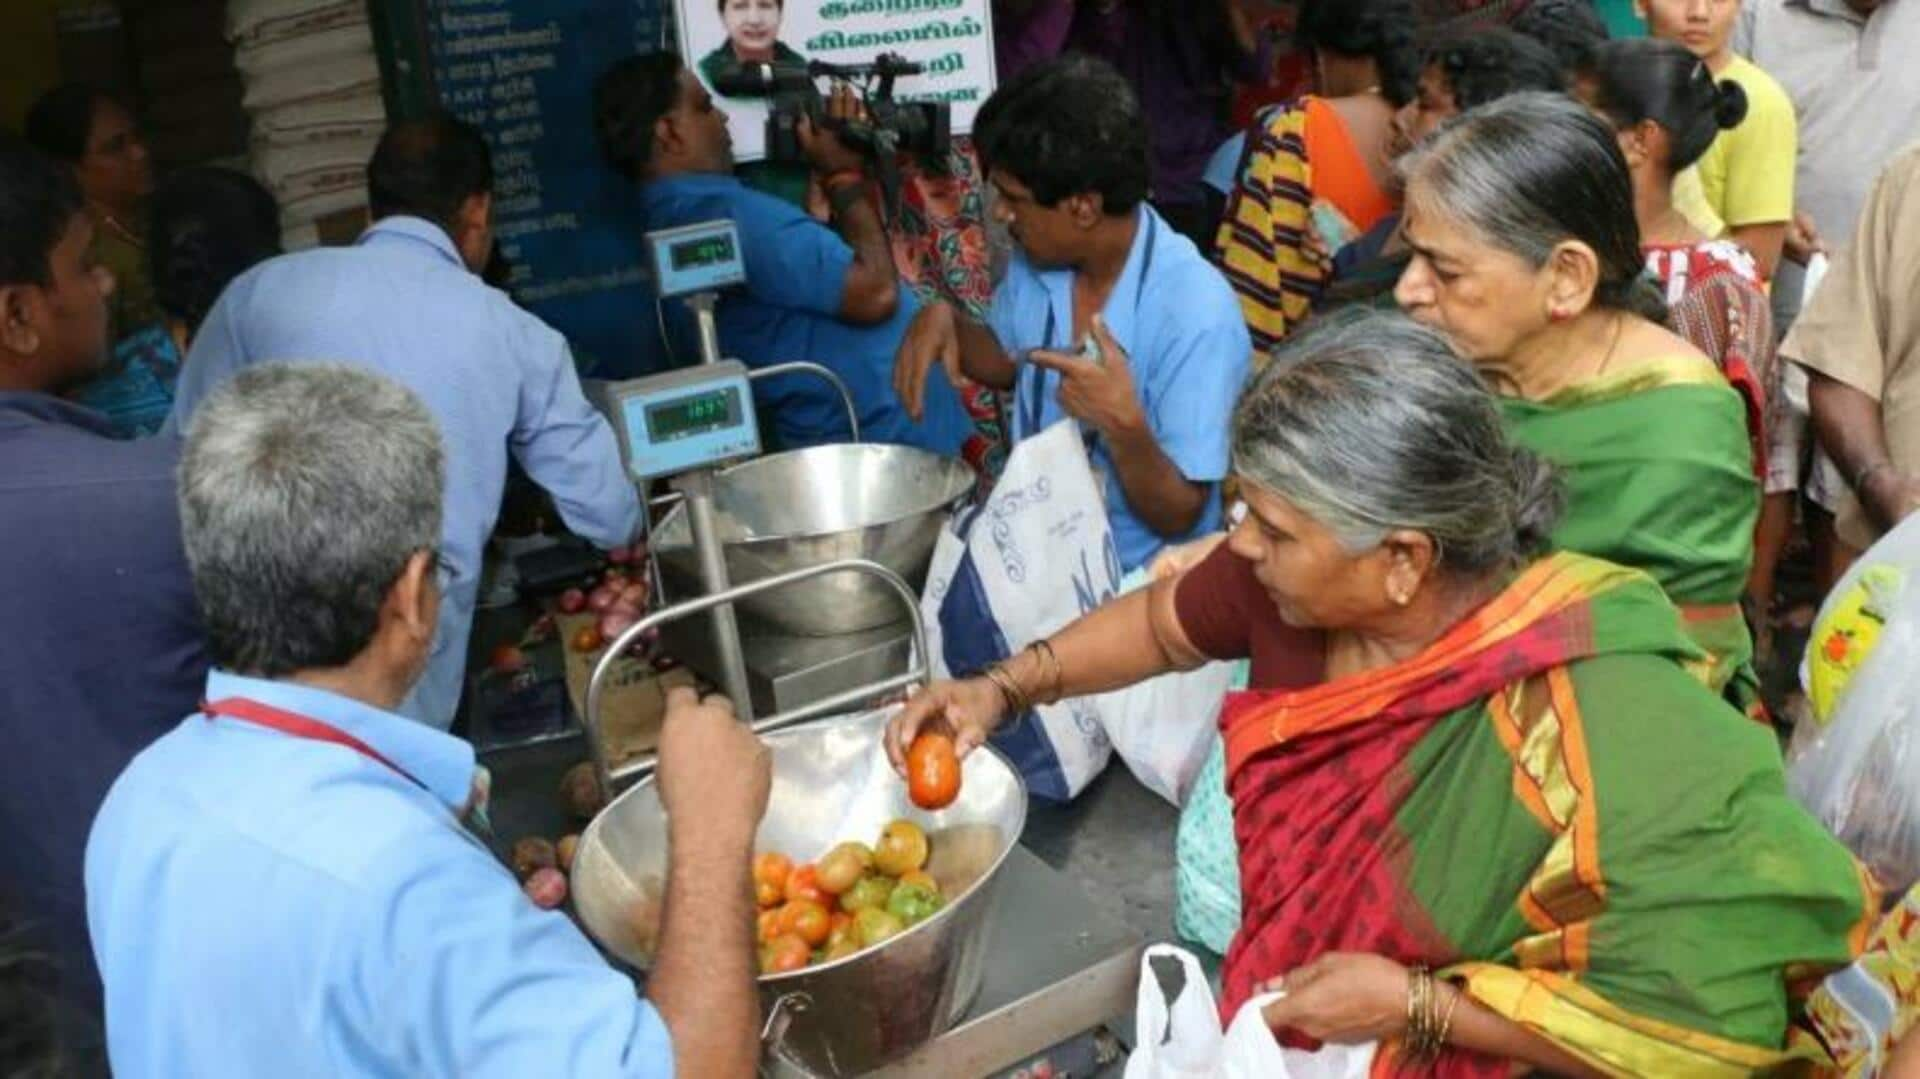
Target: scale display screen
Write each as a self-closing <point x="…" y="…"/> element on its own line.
<point x="702" y="257"/>
<point x="710" y="251"/>
<point x="697" y="414"/>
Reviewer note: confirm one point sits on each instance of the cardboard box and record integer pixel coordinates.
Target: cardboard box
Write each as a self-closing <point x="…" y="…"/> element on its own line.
<point x="634" y="700"/>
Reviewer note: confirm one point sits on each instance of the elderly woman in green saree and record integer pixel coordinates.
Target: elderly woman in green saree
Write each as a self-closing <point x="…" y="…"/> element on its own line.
<point x="1527" y="256"/>
<point x="1520" y="214"/>
<point x="1486" y="813"/>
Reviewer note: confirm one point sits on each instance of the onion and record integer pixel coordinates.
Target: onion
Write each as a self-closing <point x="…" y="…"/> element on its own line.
<point x="613" y="624"/>
<point x="573" y="601"/>
<point x="635" y="595"/>
<point x="547" y="888"/>
<point x="621" y="606"/>
<point x="602" y="598"/>
<point x="620" y="556"/>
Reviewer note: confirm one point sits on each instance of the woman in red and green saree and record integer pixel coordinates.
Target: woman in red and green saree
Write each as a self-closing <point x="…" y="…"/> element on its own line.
<point x="1527" y="256"/>
<point x="1458" y="755"/>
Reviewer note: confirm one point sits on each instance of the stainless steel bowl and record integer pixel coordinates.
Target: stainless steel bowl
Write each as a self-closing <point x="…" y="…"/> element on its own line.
<point x="832" y="783"/>
<point x="792" y="510"/>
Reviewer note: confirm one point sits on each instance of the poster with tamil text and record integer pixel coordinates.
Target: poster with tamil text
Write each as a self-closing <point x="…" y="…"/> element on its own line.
<point x="953" y="39"/>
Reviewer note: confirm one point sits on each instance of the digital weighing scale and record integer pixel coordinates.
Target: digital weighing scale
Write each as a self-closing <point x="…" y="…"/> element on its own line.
<point x="687" y="422"/>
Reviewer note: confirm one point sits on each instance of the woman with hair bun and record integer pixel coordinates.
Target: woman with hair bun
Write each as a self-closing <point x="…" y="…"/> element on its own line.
<point x="1526" y="252"/>
<point x="1666" y="111"/>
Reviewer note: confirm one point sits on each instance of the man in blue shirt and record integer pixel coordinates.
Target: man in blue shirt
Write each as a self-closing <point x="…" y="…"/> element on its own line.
<point x="406" y="301"/>
<point x="282" y="885"/>
<point x="1106" y="315"/>
<point x="102" y="640"/>
<point x="812" y="293"/>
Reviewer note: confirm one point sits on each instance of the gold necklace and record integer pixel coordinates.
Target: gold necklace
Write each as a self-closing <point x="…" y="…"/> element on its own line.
<point x="123" y="231"/>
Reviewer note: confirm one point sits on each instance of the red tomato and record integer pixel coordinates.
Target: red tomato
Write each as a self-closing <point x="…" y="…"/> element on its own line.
<point x="933" y="771"/>
<point x="807" y="920"/>
<point x="507" y="658"/>
<point x="784" y="953"/>
<point x="573" y="601"/>
<point x="804" y="883"/>
<point x="772" y="867"/>
<point x="769" y="925"/>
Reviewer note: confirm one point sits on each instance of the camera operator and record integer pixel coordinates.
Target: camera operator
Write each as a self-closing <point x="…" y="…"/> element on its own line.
<point x="831" y="296"/>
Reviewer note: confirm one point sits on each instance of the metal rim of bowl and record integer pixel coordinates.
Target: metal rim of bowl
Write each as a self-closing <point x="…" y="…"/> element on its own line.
<point x="949" y="504"/>
<point x="1020" y="827"/>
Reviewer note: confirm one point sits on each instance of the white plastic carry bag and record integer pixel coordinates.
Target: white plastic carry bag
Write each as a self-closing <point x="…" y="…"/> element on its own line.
<point x="1181" y="1039"/>
<point x="1035" y="555"/>
<point x="1855" y="757"/>
<point x="1164" y="727"/>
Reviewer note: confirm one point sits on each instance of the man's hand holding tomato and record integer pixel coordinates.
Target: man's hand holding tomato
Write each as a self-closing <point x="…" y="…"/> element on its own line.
<point x="969" y="710"/>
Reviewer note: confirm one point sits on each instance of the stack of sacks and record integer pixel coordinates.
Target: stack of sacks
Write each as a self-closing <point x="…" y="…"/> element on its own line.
<point x="313" y="92"/>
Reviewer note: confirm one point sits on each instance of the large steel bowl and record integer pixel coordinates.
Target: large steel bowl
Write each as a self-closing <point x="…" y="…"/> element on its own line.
<point x="832" y="783"/>
<point x="792" y="510"/>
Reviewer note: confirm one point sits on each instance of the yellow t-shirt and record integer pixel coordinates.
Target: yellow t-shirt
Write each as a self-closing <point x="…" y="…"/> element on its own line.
<point x="1747" y="174"/>
<point x="1690" y="198"/>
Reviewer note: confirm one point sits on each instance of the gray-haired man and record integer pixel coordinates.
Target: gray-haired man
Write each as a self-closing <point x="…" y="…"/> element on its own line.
<point x="282" y="886"/>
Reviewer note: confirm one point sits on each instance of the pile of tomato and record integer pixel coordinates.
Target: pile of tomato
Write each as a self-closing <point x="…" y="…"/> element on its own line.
<point x="853" y="898"/>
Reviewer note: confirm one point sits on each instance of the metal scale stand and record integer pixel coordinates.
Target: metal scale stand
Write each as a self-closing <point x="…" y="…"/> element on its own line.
<point x="687" y="424"/>
<point x="1055" y="970"/>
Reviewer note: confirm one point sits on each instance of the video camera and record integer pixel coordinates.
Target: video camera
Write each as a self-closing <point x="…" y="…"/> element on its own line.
<point x="921" y="128"/>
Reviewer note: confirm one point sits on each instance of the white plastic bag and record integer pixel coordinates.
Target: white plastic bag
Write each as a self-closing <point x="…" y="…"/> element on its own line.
<point x="1036" y="555"/>
<point x="1855" y="757"/>
<point x="1163" y="727"/>
<point x="1183" y="1040"/>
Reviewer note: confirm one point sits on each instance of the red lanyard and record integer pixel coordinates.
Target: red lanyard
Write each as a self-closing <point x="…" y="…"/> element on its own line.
<point x="299" y="726"/>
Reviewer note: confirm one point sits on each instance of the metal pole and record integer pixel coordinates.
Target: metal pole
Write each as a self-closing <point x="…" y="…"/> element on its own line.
<point x="698" y="487"/>
<point x="702" y="305"/>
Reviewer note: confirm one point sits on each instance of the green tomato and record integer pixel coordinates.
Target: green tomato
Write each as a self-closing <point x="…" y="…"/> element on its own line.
<point x="866" y="892"/>
<point x="874" y="925"/>
<point x="913" y="903"/>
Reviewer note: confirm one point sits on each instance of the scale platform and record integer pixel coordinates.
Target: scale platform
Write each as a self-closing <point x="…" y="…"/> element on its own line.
<point x="785" y="671"/>
<point x="1055" y="968"/>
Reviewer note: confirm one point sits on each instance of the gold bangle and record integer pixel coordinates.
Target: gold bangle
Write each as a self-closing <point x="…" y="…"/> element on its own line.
<point x="1057" y="679"/>
<point x="1446" y="1021"/>
<point x="1017" y="703"/>
<point x="1415" y="979"/>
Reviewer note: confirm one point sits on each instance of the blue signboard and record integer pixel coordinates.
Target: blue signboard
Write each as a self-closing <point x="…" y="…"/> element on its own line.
<point x="523" y="71"/>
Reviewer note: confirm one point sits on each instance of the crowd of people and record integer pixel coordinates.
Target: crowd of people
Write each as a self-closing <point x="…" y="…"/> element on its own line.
<point x="1447" y="362"/>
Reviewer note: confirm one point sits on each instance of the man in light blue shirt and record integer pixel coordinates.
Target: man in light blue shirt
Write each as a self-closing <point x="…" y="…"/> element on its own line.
<point x="827" y="295"/>
<point x="1106" y="315"/>
<point x="406" y="301"/>
<point x="283" y="885"/>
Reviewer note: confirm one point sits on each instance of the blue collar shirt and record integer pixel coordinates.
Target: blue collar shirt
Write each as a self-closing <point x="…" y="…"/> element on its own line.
<point x="1186" y="340"/>
<point x="497" y="379"/>
<point x="266" y="904"/>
